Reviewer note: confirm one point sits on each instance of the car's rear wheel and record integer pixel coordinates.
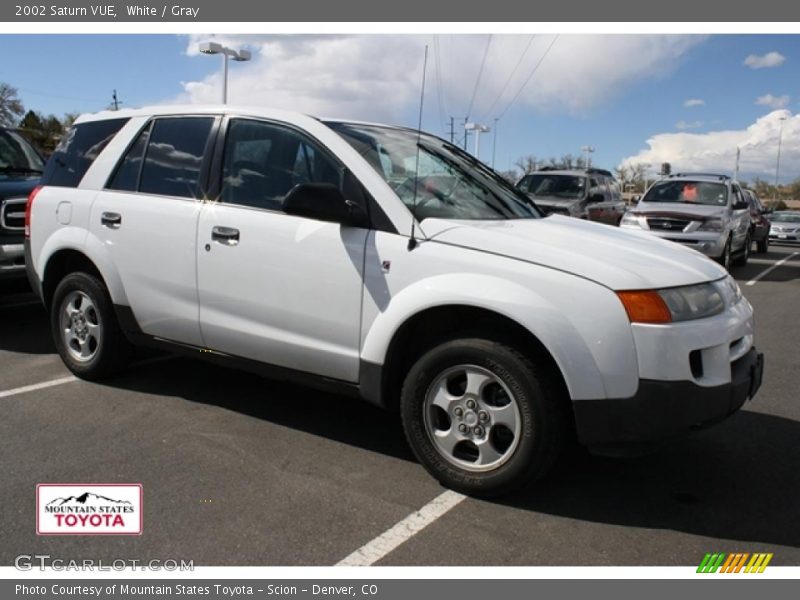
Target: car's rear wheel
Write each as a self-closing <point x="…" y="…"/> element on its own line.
<point x="85" y="329"/>
<point x="481" y="417"/>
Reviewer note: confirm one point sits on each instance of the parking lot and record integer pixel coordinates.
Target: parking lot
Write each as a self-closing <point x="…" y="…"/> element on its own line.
<point x="239" y="470"/>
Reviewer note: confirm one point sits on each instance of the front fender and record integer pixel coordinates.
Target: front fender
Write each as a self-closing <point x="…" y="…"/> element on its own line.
<point x="558" y="318"/>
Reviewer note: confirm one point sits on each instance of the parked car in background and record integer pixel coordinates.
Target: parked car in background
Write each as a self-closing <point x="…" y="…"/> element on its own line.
<point x="707" y="212"/>
<point x="20" y="168"/>
<point x="785" y="227"/>
<point x="591" y="194"/>
<point x="759" y="223"/>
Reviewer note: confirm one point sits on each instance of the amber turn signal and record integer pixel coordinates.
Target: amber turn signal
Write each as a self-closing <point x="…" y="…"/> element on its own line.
<point x="645" y="306"/>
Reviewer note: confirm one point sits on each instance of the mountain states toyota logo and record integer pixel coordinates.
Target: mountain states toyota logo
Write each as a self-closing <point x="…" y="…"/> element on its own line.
<point x="89" y="509"/>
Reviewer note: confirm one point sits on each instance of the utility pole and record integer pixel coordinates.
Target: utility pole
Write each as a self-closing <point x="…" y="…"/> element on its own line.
<point x="114" y="100"/>
<point x="452" y="130"/>
<point x="494" y="141"/>
<point x="466" y="133"/>
<point x="778" y="162"/>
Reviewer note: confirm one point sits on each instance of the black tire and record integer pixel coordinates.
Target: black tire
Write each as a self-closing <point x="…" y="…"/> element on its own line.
<point x="542" y="412"/>
<point x="763" y="246"/>
<point x="744" y="255"/>
<point x="725" y="258"/>
<point x="111" y="350"/>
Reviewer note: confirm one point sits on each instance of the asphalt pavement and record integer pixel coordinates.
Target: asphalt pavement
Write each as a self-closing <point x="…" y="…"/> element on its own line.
<point x="240" y="470"/>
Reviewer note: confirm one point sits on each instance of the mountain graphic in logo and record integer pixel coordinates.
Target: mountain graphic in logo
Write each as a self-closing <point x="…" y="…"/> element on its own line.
<point x="85" y="499"/>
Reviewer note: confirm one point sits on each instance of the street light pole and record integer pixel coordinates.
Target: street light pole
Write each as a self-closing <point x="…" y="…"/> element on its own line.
<point x="778" y="161"/>
<point x="478" y="129"/>
<point x="494" y="142"/>
<point x="238" y="56"/>
<point x="588" y="150"/>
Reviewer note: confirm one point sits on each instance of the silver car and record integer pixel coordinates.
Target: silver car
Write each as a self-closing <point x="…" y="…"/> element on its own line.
<point x="706" y="212"/>
<point x="785" y="227"/>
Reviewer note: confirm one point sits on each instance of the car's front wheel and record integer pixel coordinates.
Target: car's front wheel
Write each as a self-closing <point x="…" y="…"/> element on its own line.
<point x="744" y="255"/>
<point x="85" y="329"/>
<point x="481" y="417"/>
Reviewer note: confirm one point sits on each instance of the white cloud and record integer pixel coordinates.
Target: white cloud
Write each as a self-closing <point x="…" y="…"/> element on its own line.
<point x="765" y="61"/>
<point x="716" y="150"/>
<point x="377" y="77"/>
<point x="694" y="102"/>
<point x="688" y="124"/>
<point x="774" y="102"/>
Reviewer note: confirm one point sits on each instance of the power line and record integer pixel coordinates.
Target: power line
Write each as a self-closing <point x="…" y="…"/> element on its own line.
<point x="527" y="81"/>
<point x="510" y="77"/>
<point x="480" y="73"/>
<point x="439" y="90"/>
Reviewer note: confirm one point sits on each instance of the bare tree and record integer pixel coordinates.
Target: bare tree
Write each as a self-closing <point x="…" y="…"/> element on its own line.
<point x="527" y="164"/>
<point x="11" y="108"/>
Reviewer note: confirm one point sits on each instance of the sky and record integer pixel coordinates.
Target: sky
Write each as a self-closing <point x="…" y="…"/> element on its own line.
<point x="689" y="100"/>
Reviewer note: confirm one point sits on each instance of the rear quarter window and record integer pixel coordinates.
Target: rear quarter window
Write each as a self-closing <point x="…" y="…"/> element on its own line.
<point x="77" y="150"/>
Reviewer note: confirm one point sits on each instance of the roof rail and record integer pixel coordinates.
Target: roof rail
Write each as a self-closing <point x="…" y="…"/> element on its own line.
<point x="719" y="176"/>
<point x="589" y="170"/>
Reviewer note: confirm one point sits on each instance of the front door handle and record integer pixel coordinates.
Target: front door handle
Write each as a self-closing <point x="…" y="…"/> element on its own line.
<point x="225" y="235"/>
<point x="111" y="220"/>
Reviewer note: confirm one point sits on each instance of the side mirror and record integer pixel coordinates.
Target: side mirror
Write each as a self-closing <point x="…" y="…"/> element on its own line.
<point x="741" y="205"/>
<point x="323" y="202"/>
<point x="635" y="199"/>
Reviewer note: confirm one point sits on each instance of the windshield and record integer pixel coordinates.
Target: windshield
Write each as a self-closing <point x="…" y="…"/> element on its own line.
<point x="688" y="192"/>
<point x="782" y="217"/>
<point x="559" y="186"/>
<point x="450" y="184"/>
<point x="17" y="156"/>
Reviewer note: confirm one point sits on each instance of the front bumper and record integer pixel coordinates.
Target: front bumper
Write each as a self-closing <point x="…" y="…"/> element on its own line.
<point x="664" y="409"/>
<point x="784" y="238"/>
<point x="12" y="261"/>
<point x="712" y="244"/>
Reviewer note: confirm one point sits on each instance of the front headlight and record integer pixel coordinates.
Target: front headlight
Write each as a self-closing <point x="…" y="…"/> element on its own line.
<point x="673" y="304"/>
<point x="693" y="301"/>
<point x="711" y="225"/>
<point x="630" y="219"/>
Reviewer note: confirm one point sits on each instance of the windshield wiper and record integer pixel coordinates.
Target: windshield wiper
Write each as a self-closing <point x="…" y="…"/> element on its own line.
<point x="14" y="169"/>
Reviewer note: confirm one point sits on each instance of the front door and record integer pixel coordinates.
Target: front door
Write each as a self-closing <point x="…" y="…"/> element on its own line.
<point x="275" y="288"/>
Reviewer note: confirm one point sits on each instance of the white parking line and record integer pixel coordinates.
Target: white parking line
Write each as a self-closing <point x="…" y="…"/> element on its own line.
<point x="373" y="551"/>
<point x="54" y="382"/>
<point x="755" y="279"/>
<point x="37" y="386"/>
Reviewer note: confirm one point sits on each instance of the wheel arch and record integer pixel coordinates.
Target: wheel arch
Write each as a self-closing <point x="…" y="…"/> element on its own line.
<point x="430" y="326"/>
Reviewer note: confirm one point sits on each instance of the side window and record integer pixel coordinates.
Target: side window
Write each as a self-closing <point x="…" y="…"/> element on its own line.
<point x="174" y="156"/>
<point x="736" y="195"/>
<point x="595" y="187"/>
<point x="263" y="161"/>
<point x="126" y="177"/>
<point x="77" y="150"/>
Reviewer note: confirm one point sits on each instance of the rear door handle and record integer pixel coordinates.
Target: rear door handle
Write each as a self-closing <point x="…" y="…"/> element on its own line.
<point x="111" y="220"/>
<point x="225" y="235"/>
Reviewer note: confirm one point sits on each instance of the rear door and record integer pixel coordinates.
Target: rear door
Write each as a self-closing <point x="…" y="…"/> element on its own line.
<point x="147" y="219"/>
<point x="276" y="288"/>
<point x="740" y="217"/>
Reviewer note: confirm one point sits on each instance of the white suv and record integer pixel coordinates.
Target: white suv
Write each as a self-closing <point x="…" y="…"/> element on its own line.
<point x="388" y="264"/>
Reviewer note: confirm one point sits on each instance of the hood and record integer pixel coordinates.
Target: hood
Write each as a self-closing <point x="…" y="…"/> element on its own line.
<point x="553" y="201"/>
<point x="697" y="212"/>
<point x="616" y="258"/>
<point x="17" y="186"/>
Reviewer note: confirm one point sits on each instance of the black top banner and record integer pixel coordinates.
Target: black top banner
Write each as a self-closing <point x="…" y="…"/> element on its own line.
<point x="406" y="11"/>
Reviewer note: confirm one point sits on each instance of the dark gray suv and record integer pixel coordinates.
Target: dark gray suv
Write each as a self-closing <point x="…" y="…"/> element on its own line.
<point x="20" y="169"/>
<point x="591" y="194"/>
